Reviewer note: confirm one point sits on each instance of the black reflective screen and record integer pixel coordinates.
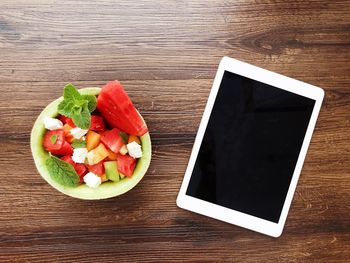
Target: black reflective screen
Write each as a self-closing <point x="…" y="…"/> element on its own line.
<point x="250" y="147"/>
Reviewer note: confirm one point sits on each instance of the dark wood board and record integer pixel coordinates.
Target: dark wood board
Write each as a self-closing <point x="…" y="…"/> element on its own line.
<point x="166" y="54"/>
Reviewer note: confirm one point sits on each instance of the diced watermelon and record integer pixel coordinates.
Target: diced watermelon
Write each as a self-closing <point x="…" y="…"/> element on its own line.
<point x="112" y="140"/>
<point x="126" y="164"/>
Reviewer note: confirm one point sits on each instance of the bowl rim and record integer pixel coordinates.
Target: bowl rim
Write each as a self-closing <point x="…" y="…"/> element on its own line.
<point x="106" y="190"/>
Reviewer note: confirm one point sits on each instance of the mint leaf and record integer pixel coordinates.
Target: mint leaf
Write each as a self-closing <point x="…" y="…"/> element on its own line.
<point x="76" y="106"/>
<point x="78" y="144"/>
<point x="62" y="172"/>
<point x="80" y="103"/>
<point x="53" y="138"/>
<point x="76" y="109"/>
<point x="65" y="108"/>
<point x="82" y="119"/>
<point x="70" y="92"/>
<point x="91" y="101"/>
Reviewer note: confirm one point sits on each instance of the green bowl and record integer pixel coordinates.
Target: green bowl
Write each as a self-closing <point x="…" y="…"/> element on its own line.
<point x="105" y="190"/>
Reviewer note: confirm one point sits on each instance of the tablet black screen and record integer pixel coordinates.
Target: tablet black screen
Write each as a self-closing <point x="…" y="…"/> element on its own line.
<point x="250" y="147"/>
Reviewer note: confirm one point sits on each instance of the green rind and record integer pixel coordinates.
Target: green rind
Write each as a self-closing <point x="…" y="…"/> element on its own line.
<point x="107" y="189"/>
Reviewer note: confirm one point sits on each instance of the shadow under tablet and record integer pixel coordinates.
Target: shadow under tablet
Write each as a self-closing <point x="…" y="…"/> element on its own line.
<point x="250" y="147"/>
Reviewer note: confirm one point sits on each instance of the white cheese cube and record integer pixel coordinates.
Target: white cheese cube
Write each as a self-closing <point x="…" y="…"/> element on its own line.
<point x="134" y="149"/>
<point x="78" y="133"/>
<point x="79" y="155"/>
<point x="52" y="123"/>
<point x="92" y="180"/>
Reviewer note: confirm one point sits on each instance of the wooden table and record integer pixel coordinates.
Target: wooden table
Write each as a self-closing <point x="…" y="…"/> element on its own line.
<point x="166" y="55"/>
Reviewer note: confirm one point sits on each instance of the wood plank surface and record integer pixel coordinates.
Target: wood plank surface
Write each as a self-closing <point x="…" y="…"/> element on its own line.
<point x="166" y="54"/>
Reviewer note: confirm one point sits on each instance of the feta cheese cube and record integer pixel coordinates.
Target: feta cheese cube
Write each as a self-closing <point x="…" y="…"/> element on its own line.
<point x="92" y="180"/>
<point x="79" y="155"/>
<point x="78" y="133"/>
<point x="134" y="149"/>
<point x="52" y="123"/>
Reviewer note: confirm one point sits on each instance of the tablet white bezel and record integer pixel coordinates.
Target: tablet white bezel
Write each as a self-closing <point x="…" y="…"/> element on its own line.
<point x="232" y="216"/>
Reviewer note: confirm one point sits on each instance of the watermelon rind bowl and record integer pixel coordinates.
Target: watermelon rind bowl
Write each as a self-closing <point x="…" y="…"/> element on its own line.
<point x="105" y="190"/>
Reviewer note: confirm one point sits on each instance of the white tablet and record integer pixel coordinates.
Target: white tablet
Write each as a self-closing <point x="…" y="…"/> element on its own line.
<point x="250" y="147"/>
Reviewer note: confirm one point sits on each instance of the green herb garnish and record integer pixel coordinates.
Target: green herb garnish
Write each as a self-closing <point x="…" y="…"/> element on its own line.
<point x="62" y="172"/>
<point x="78" y="144"/>
<point x="76" y="106"/>
<point x="91" y="101"/>
<point x="53" y="139"/>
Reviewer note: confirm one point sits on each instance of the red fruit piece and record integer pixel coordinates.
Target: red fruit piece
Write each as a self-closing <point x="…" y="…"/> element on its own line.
<point x="97" y="169"/>
<point x="55" y="142"/>
<point x="97" y="123"/>
<point x="126" y="164"/>
<point x="118" y="110"/>
<point x="112" y="140"/>
<point x="70" y="123"/>
<point x="63" y="118"/>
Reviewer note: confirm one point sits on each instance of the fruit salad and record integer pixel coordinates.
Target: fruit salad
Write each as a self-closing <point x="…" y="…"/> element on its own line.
<point x="94" y="139"/>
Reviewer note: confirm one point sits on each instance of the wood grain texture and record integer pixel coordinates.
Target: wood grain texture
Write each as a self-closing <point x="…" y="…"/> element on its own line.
<point x="166" y="54"/>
